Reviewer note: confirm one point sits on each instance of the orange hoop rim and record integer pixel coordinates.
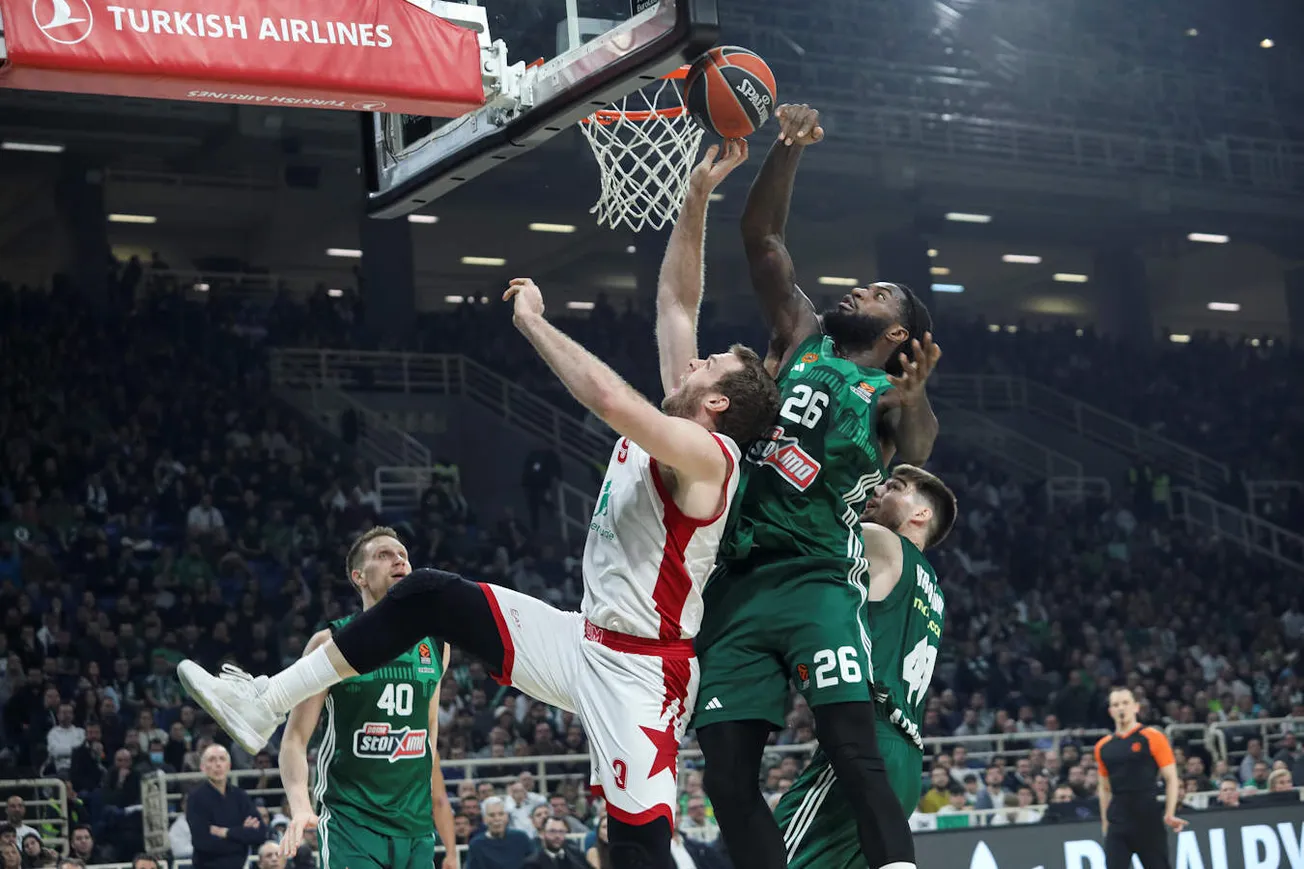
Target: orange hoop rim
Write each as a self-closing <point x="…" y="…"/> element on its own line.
<point x="606" y="117"/>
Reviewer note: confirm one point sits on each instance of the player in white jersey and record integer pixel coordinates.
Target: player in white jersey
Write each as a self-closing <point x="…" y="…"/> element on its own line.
<point x="625" y="662"/>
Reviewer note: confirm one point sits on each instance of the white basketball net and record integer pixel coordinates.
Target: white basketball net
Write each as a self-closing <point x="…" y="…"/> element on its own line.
<point x="646" y="145"/>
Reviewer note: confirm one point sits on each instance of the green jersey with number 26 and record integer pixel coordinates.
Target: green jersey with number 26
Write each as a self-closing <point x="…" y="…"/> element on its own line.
<point x="807" y="483"/>
<point x="373" y="763"/>
<point x="907" y="630"/>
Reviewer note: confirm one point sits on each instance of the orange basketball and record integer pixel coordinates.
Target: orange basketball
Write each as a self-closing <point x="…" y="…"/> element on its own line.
<point x="730" y="91"/>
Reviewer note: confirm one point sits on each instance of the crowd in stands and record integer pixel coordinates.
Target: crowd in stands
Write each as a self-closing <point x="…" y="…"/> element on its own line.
<point x="159" y="504"/>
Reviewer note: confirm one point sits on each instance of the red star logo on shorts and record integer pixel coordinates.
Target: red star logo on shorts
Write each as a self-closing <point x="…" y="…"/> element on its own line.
<point x="667" y="749"/>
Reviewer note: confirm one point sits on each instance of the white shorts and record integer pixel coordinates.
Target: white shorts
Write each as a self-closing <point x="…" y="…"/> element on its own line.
<point x="633" y="696"/>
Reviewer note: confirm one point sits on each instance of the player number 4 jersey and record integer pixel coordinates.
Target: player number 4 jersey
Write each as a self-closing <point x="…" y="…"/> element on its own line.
<point x="373" y="763"/>
<point x="906" y="627"/>
<point x="806" y="484"/>
<point x="644" y="561"/>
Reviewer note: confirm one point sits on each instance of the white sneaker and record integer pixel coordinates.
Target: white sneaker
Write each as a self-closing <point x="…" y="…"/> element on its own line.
<point x="235" y="701"/>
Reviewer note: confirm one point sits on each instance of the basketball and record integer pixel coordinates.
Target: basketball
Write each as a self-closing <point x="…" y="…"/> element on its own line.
<point x="730" y="91"/>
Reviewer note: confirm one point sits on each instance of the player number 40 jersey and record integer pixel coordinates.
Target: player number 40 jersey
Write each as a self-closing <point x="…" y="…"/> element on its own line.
<point x="374" y="761"/>
<point x="807" y="483"/>
<point x="644" y="561"/>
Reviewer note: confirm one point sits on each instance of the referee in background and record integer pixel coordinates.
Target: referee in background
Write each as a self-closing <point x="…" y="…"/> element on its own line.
<point x="1129" y="759"/>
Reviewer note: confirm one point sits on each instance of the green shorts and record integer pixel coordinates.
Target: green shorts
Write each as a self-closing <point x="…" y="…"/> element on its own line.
<point x="819" y="829"/>
<point x="350" y="845"/>
<point x="801" y="619"/>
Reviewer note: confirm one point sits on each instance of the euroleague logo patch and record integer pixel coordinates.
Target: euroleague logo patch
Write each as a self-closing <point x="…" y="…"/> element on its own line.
<point x="379" y="741"/>
<point x="423" y="653"/>
<point x="66" y="22"/>
<point x="803" y="676"/>
<point x="810" y="357"/>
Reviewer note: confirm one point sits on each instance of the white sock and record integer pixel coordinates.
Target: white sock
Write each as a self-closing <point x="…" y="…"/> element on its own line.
<point x="899" y="865"/>
<point x="310" y="675"/>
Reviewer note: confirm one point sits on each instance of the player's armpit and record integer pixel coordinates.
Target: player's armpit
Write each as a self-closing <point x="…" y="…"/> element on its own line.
<point x="680" y="444"/>
<point x="789" y="313"/>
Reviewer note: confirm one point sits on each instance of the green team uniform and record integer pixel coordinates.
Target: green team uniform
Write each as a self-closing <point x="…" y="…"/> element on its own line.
<point x="819" y="828"/>
<point x="787" y="598"/>
<point x="374" y="765"/>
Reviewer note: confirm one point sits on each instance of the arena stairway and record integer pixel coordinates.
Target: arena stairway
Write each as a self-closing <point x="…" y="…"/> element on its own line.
<point x="1107" y="446"/>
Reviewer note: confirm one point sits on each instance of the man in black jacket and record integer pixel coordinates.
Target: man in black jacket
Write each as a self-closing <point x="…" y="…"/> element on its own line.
<point x="224" y="824"/>
<point x="554" y="851"/>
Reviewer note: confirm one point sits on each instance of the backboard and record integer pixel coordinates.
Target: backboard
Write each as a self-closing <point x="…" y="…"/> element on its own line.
<point x="547" y="64"/>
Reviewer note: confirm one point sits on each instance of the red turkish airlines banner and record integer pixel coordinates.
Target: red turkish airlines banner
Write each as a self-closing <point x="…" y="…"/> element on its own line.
<point x="359" y="55"/>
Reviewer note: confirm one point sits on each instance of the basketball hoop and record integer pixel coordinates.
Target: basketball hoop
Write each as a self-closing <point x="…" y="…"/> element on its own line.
<point x="645" y="146"/>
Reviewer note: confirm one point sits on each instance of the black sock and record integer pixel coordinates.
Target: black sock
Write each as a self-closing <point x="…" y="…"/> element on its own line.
<point x="732" y="751"/>
<point x="425" y="603"/>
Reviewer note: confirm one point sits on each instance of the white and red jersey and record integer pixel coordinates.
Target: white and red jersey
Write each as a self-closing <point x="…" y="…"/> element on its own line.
<point x="645" y="562"/>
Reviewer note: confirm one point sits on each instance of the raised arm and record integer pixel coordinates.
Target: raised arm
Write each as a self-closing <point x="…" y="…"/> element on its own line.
<point x="441" y="808"/>
<point x="674" y="442"/>
<point x="680" y="287"/>
<point x="883" y="552"/>
<point x="293" y="759"/>
<point x="789" y="314"/>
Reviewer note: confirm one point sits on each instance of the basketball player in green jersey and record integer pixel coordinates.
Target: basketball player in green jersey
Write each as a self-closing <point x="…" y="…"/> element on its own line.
<point x="379" y="789"/>
<point x="913" y="511"/>
<point x="788" y="596"/>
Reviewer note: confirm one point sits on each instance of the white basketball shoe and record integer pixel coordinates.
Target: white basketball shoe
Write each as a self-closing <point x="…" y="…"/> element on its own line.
<point x="235" y="700"/>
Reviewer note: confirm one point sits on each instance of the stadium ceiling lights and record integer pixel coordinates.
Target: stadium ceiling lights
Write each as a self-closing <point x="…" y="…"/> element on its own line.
<point x="963" y="217"/>
<point x="1025" y="259"/>
<point x="1267" y="43"/>
<point x="133" y="218"/>
<point x="346" y="252"/>
<point x="1070" y="278"/>
<point x="483" y="261"/>
<point x="1224" y="306"/>
<point x="422" y="218"/>
<point x="716" y="197"/>
<point x="631" y="249"/>
<point x="580" y="306"/>
<point x="932" y="252"/>
<point x="1178" y="338"/>
<point x="831" y="281"/>
<point x="1208" y="237"/>
<point x="455" y="300"/>
<point x="948" y="288"/>
<point x="939" y="271"/>
<point x="32" y="147"/>
<point x="563" y="228"/>
<point x="335" y="293"/>
<point x="201" y="287"/>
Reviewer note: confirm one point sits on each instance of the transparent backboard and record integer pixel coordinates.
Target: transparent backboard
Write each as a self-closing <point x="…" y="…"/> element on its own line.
<point x="564" y="60"/>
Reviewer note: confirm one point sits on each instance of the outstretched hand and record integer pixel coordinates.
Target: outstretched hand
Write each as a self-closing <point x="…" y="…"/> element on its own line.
<point x="528" y="300"/>
<point x="799" y="125"/>
<point x="708" y="174"/>
<point x="914" y="372"/>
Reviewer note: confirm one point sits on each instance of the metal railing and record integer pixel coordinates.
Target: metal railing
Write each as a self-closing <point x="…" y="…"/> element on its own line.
<point x="1017" y="453"/>
<point x="574" y="511"/>
<point x="985" y="392"/>
<point x="377" y="440"/>
<point x="1267" y="730"/>
<point x="441" y="374"/>
<point x="1260" y="491"/>
<point x="401" y="487"/>
<point x="53" y="794"/>
<point x="1197" y="509"/>
<point x="1075" y="490"/>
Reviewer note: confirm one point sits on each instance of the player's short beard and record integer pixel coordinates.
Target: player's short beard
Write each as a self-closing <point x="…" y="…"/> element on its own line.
<point x="683" y="403"/>
<point x="854" y="330"/>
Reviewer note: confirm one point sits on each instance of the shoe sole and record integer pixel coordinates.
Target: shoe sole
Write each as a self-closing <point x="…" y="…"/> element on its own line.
<point x="220" y="712"/>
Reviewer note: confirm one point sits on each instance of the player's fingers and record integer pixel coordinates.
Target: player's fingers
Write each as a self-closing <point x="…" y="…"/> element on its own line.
<point x="511" y="291"/>
<point x="709" y="157"/>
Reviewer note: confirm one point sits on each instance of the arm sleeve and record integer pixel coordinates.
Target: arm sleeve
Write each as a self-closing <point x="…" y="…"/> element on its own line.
<point x="1160" y="749"/>
<point x="1100" y="764"/>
